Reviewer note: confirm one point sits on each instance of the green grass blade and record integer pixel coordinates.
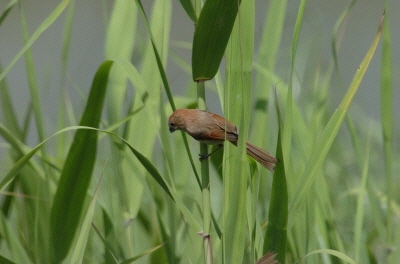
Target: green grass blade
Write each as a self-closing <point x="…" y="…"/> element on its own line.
<point x="147" y="252"/>
<point x="10" y="118"/>
<point x="77" y="171"/>
<point x="211" y="36"/>
<point x="32" y="81"/>
<point x="82" y="240"/>
<point x="4" y="260"/>
<point x="109" y="254"/>
<point x="336" y="40"/>
<point x="46" y="23"/>
<point x="22" y="161"/>
<point x="359" y="217"/>
<point x="387" y="120"/>
<point x="267" y="55"/>
<point x="63" y="91"/>
<point x="325" y="141"/>
<point x="14" y="245"/>
<point x="7" y="10"/>
<point x="157" y="54"/>
<point x="338" y="254"/>
<point x="189" y="9"/>
<point x="145" y="162"/>
<point x="238" y="87"/>
<point x="119" y="45"/>
<point x="287" y="130"/>
<point x="276" y="234"/>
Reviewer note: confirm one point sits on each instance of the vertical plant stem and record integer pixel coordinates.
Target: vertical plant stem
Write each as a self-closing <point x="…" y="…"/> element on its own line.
<point x="205" y="174"/>
<point x="205" y="181"/>
<point x="387" y="123"/>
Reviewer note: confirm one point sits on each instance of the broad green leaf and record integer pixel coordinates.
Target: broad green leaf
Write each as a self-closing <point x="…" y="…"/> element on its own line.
<point x="211" y="36"/>
<point x="75" y="177"/>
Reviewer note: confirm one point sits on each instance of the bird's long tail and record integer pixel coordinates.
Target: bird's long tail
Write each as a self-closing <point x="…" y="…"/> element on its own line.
<point x="263" y="157"/>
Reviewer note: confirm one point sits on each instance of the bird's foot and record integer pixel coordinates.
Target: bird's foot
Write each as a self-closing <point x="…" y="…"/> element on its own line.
<point x="204" y="156"/>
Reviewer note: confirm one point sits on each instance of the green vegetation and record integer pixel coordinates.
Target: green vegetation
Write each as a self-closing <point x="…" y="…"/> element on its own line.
<point x="117" y="187"/>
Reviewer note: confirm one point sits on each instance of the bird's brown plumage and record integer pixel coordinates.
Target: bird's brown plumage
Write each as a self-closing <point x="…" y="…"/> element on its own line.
<point x="213" y="129"/>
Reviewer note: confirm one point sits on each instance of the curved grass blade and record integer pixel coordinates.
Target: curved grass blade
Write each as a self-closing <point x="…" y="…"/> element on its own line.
<point x="147" y="252"/>
<point x="338" y="254"/>
<point x="137" y="82"/>
<point x="7" y="10"/>
<point x="325" y="141"/>
<point x="157" y="54"/>
<point x="145" y="162"/>
<point x="211" y="37"/>
<point x="165" y="82"/>
<point x="46" y="23"/>
<point x="76" y="174"/>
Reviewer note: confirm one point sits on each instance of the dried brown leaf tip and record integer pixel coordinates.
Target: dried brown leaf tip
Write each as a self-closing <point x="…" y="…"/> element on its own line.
<point x="268" y="258"/>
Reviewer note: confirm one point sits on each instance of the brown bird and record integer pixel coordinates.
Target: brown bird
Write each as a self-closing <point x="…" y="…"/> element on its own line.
<point x="213" y="129"/>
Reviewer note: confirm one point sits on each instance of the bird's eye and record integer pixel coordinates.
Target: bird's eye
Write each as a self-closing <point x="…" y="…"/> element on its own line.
<point x="172" y="124"/>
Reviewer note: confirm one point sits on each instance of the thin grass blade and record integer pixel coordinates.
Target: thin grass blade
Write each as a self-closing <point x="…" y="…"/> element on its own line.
<point x="147" y="252"/>
<point x="7" y="10"/>
<point x="46" y="23"/>
<point x="189" y="9"/>
<point x="338" y="254"/>
<point x="157" y="54"/>
<point x="325" y="141"/>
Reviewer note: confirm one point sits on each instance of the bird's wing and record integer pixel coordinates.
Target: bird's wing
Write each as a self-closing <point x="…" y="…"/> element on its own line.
<point x="224" y="129"/>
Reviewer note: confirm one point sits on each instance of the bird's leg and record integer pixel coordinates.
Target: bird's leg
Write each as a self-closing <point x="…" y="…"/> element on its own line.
<point x="205" y="156"/>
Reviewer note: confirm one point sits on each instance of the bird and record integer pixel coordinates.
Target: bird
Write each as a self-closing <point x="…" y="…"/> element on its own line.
<point x="213" y="129"/>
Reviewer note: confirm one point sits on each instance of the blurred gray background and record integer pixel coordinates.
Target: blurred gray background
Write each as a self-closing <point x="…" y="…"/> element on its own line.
<point x="87" y="50"/>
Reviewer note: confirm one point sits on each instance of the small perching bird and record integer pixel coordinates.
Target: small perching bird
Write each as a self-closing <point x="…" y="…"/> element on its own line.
<point x="213" y="129"/>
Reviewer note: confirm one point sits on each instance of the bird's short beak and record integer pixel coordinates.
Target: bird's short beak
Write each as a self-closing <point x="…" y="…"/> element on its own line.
<point x="171" y="129"/>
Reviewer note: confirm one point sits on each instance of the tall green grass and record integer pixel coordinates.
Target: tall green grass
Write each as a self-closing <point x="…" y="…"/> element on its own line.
<point x="144" y="197"/>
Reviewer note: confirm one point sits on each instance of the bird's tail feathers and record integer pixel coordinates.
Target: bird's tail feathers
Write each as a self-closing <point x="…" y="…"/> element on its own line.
<point x="263" y="157"/>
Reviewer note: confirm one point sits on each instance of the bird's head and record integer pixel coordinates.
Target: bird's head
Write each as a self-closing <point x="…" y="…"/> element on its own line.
<point x="177" y="121"/>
